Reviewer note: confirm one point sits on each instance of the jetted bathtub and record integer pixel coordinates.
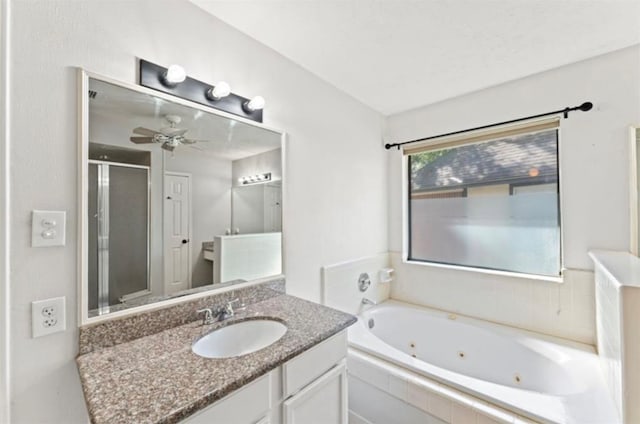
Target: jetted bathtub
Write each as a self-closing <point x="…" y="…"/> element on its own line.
<point x="544" y="379"/>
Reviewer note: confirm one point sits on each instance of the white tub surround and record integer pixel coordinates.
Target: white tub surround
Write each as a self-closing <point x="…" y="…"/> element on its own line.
<point x="456" y="365"/>
<point x="340" y="288"/>
<point x="564" y="310"/>
<point x="618" y="327"/>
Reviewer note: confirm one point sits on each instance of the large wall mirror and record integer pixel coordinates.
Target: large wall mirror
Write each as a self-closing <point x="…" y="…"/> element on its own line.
<point x="177" y="199"/>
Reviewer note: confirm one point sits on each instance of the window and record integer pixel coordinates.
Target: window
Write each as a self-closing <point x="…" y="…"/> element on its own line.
<point x="487" y="201"/>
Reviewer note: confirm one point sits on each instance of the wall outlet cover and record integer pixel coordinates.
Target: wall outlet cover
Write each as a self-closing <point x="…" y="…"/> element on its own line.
<point x="48" y="316"/>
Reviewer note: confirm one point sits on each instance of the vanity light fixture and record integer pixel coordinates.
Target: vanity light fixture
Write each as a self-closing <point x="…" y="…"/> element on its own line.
<point x="174" y="81"/>
<point x="220" y="90"/>
<point x="174" y="75"/>
<point x="256" y="103"/>
<point x="255" y="179"/>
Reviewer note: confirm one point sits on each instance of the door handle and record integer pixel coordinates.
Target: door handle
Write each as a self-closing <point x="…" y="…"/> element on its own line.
<point x="185" y="241"/>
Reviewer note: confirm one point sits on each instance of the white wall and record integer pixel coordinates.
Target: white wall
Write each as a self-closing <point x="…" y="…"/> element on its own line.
<point x="270" y="161"/>
<point x="248" y="209"/>
<point x="4" y="214"/>
<point x="249" y="201"/>
<point x="335" y="198"/>
<point x="594" y="191"/>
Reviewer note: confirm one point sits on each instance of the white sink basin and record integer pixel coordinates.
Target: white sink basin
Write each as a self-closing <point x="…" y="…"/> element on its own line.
<point x="239" y="339"/>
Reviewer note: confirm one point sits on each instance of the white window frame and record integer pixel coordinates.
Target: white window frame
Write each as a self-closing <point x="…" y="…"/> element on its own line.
<point x="468" y="268"/>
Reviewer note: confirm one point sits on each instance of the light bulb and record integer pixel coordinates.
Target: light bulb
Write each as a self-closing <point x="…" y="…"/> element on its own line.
<point x="175" y="74"/>
<point x="257" y="103"/>
<point x="222" y="89"/>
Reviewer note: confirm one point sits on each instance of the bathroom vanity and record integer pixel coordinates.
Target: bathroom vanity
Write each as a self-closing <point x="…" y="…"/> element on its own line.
<point x="142" y="369"/>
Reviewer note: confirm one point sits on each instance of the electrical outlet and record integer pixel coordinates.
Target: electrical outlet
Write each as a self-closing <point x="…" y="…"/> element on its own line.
<point x="47" y="316"/>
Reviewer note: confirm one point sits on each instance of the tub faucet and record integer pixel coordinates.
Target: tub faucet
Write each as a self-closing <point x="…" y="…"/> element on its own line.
<point x="366" y="301"/>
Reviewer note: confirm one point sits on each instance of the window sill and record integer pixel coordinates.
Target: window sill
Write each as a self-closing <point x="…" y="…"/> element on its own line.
<point x="508" y="274"/>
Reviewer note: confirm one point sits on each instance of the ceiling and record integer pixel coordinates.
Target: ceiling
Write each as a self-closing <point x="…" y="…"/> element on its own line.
<point x="396" y="55"/>
<point x="121" y="110"/>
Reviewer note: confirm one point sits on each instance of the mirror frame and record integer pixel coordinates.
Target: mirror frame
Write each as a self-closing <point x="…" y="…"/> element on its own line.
<point x="83" y="77"/>
<point x="634" y="179"/>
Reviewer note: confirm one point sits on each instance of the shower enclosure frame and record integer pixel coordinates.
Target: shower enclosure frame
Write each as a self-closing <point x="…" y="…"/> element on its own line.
<point x="103" y="233"/>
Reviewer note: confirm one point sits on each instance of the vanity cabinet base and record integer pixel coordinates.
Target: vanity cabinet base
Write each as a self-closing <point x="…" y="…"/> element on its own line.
<point x="304" y="390"/>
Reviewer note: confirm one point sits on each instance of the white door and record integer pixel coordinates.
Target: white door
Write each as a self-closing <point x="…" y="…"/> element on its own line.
<point x="177" y="213"/>
<point x="323" y="401"/>
<point x="272" y="209"/>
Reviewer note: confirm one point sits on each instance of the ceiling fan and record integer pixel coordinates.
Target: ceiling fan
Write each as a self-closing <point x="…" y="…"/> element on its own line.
<point x="169" y="137"/>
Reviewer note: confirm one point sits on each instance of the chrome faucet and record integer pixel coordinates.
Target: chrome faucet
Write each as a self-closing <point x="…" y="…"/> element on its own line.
<point x="226" y="312"/>
<point x="366" y="301"/>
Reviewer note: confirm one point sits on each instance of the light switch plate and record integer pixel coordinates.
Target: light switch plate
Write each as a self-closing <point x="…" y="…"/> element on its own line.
<point x="48" y="316"/>
<point x="48" y="228"/>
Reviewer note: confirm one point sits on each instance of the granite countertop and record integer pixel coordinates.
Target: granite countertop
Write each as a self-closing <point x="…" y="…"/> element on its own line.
<point x="158" y="379"/>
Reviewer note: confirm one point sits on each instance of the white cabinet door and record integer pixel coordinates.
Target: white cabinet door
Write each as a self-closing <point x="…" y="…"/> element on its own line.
<point x="248" y="405"/>
<point x="322" y="402"/>
<point x="312" y="364"/>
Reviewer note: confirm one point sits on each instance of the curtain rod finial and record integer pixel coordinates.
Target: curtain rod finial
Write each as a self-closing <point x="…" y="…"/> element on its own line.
<point x="387" y="146"/>
<point x="586" y="106"/>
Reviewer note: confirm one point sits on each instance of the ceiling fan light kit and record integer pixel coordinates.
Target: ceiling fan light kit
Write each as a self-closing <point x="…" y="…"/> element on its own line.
<point x="168" y="137"/>
<point x="175" y="81"/>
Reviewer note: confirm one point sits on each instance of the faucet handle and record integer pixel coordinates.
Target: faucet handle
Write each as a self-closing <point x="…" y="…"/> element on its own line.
<point x="236" y="300"/>
<point x="208" y="315"/>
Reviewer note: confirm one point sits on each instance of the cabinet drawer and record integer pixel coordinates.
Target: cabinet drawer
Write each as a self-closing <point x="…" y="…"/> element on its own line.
<point x="308" y="366"/>
<point x="244" y="406"/>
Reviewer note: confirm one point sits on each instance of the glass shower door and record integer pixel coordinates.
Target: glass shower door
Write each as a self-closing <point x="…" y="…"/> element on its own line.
<point x="118" y="233"/>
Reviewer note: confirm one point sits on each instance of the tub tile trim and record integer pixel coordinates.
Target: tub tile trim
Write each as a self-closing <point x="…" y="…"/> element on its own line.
<point x="432" y="397"/>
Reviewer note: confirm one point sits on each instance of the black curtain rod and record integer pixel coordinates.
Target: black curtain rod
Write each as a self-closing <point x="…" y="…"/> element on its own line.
<point x="586" y="106"/>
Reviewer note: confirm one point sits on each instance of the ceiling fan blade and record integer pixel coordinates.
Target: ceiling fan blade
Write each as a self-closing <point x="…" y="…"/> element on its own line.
<point x="144" y="131"/>
<point x="141" y="140"/>
<point x="191" y="146"/>
<point x="192" y="141"/>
